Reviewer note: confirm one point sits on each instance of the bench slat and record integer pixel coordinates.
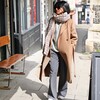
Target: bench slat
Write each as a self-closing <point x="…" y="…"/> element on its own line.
<point x="4" y="40"/>
<point x="12" y="60"/>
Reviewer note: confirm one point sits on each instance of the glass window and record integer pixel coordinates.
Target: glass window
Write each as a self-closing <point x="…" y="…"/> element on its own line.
<point x="22" y="15"/>
<point x="28" y="13"/>
<point x="45" y="13"/>
<point x="35" y="11"/>
<point x="31" y="12"/>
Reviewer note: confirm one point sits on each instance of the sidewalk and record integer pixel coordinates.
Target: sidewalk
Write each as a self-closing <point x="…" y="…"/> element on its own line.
<point x="29" y="87"/>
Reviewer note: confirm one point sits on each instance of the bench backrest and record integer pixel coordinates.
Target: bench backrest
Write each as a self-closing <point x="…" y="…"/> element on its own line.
<point x="4" y="40"/>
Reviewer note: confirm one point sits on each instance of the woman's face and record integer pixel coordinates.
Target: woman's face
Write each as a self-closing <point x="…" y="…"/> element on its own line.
<point x="59" y="11"/>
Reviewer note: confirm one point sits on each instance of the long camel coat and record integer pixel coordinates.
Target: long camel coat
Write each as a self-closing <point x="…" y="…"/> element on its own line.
<point x="66" y="45"/>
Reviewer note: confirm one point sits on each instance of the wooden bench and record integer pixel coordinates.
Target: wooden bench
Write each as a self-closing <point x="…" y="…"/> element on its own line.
<point x="11" y="60"/>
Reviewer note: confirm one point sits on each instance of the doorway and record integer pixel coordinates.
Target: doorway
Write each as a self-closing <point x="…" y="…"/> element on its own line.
<point x="2" y="28"/>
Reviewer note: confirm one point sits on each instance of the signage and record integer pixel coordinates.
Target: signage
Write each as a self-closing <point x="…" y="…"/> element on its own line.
<point x="96" y="19"/>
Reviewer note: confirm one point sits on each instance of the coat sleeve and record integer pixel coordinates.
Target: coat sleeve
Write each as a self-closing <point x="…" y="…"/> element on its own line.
<point x="74" y="36"/>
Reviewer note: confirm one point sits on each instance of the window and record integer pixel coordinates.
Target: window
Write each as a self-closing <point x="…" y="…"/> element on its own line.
<point x="28" y="13"/>
<point x="35" y="12"/>
<point x="22" y="15"/>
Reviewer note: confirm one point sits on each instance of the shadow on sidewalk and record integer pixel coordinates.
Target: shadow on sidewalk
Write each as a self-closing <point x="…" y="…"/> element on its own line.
<point x="25" y="87"/>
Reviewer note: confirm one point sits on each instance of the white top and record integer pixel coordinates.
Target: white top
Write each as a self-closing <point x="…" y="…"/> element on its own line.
<point x="55" y="40"/>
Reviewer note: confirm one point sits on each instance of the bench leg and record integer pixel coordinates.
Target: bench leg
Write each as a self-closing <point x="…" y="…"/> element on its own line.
<point x="23" y="65"/>
<point x="9" y="77"/>
<point x="21" y="73"/>
<point x="4" y="88"/>
<point x="7" y="87"/>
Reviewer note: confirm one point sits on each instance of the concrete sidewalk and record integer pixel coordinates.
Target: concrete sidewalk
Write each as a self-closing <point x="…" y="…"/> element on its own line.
<point x="29" y="87"/>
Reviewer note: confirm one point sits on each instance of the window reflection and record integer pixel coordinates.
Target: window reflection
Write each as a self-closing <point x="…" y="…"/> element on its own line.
<point x="28" y="14"/>
<point x="22" y="15"/>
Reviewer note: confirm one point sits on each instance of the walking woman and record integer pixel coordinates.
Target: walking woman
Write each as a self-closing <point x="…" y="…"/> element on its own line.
<point x="59" y="46"/>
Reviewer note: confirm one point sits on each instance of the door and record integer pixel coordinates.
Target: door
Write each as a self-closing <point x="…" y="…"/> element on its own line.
<point x="2" y="28"/>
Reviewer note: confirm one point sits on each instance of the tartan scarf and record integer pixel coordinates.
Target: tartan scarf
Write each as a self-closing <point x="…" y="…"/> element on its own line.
<point x="51" y="29"/>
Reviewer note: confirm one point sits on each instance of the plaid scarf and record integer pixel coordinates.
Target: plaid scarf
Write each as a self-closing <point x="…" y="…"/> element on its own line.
<point x="51" y="29"/>
<point x="61" y="18"/>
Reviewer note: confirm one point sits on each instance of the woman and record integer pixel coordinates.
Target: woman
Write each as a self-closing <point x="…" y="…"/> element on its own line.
<point x="59" y="47"/>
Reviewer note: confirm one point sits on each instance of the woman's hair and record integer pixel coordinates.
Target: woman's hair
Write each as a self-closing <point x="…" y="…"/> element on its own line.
<point x="62" y="4"/>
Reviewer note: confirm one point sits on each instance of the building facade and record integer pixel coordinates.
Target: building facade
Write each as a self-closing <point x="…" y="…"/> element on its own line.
<point x="25" y="21"/>
<point x="20" y="19"/>
<point x="27" y="26"/>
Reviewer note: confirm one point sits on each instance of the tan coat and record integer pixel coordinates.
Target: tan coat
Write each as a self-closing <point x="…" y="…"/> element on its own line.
<point x="66" y="45"/>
